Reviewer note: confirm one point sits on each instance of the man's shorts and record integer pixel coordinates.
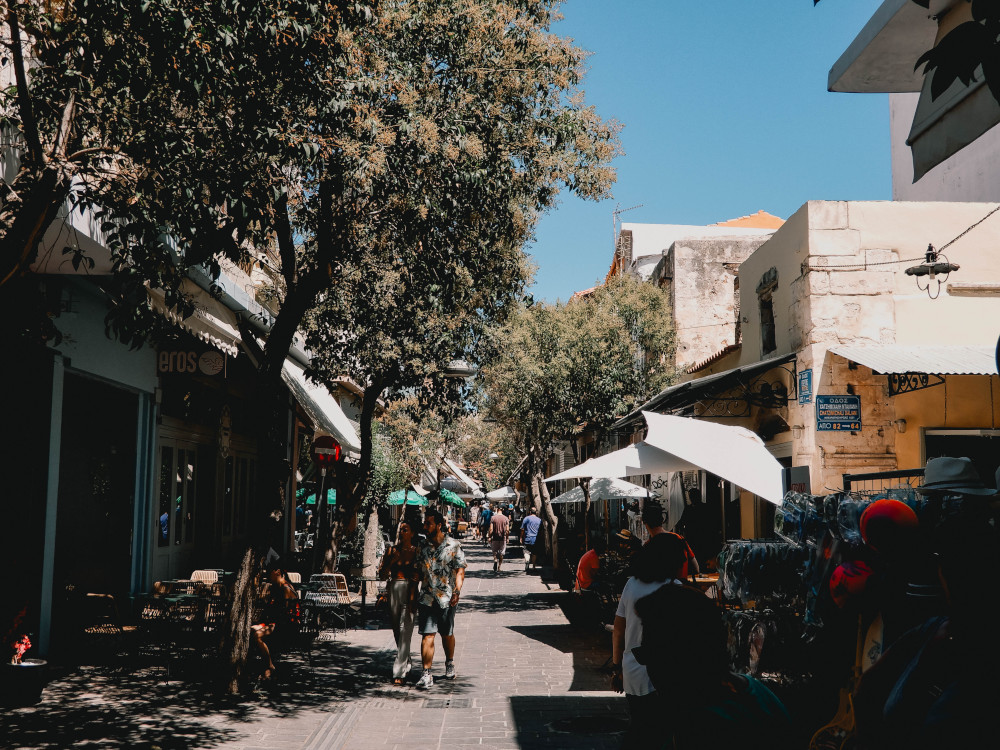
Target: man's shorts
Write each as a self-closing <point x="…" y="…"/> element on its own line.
<point x="433" y="619"/>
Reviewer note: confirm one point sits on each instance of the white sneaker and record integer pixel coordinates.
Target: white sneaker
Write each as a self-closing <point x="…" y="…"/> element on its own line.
<point x="426" y="680"/>
<point x="449" y="670"/>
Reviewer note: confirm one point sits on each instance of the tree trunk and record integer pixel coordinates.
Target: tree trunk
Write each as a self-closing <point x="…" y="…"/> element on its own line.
<point x="370" y="556"/>
<point x="268" y="502"/>
<point x="351" y="490"/>
<point x="549" y="520"/>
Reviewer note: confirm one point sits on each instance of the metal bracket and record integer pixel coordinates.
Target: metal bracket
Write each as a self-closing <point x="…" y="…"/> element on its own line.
<point x="757" y="393"/>
<point x="907" y="382"/>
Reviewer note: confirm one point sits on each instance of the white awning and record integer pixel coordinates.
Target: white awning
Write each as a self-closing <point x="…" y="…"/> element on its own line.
<point x="324" y="411"/>
<point x="503" y="493"/>
<point x="683" y="443"/>
<point x="881" y="58"/>
<point x="605" y="489"/>
<point x="212" y="322"/>
<point x="931" y="360"/>
<point x="473" y="486"/>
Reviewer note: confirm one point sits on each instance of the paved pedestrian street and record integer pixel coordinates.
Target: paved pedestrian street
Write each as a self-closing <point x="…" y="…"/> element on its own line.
<point x="526" y="679"/>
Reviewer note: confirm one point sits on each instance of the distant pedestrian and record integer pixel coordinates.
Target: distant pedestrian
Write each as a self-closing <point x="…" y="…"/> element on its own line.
<point x="484" y="522"/>
<point x="499" y="533"/>
<point x="399" y="567"/>
<point x="529" y="537"/>
<point x="474" y="520"/>
<point x="441" y="564"/>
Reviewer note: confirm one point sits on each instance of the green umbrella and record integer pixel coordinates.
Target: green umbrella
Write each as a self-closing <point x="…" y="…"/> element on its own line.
<point x="409" y="496"/>
<point x="450" y="497"/>
<point x="331" y="498"/>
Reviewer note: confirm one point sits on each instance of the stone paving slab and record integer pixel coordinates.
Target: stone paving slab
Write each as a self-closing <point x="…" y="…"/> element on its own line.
<point x="526" y="679"/>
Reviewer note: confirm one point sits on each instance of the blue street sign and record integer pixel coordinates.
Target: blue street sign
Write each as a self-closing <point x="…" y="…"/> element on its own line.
<point x="838" y="413"/>
<point x="806" y="387"/>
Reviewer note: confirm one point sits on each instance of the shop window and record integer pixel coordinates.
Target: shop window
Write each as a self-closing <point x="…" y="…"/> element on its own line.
<point x="236" y="503"/>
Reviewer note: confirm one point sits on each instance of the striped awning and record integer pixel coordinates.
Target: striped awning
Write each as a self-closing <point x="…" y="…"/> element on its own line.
<point x="894" y="359"/>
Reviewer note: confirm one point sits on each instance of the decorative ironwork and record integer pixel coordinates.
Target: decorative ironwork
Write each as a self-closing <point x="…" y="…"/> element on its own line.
<point x="757" y="393"/>
<point x="907" y="382"/>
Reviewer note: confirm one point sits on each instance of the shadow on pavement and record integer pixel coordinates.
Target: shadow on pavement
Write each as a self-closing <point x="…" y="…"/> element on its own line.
<point x="495" y="603"/>
<point x="589" y="651"/>
<point x="91" y="707"/>
<point x="569" y="721"/>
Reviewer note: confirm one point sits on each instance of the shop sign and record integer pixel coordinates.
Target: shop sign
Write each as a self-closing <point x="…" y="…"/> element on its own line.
<point x="806" y="387"/>
<point x="209" y="362"/>
<point x="835" y="413"/>
<point x="796" y="479"/>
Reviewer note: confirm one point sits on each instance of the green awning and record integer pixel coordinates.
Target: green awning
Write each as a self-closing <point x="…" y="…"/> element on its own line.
<point x="331" y="498"/>
<point x="408" y="496"/>
<point x="450" y="497"/>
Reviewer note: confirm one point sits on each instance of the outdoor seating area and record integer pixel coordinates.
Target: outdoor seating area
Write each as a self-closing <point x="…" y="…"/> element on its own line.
<point x="176" y="625"/>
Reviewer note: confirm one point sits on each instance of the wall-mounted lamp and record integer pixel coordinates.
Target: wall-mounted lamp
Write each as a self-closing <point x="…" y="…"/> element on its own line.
<point x="900" y="425"/>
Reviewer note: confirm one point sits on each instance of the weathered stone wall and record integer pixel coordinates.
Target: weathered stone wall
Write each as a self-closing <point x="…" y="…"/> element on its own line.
<point x="704" y="308"/>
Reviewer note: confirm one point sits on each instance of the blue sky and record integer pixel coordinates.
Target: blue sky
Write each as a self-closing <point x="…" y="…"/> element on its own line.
<point x="726" y="112"/>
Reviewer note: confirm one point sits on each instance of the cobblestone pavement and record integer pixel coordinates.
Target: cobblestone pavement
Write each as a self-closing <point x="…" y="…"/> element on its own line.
<point x="526" y="679"/>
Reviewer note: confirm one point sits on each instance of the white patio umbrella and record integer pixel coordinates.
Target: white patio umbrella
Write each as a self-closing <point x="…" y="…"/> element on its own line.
<point x="503" y="493"/>
<point x="605" y="488"/>
<point x="683" y="443"/>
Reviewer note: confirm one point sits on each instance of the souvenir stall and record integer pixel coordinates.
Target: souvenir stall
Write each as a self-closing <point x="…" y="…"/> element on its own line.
<point x="850" y="572"/>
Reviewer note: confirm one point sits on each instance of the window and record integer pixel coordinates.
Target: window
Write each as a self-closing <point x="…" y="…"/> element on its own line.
<point x="765" y="292"/>
<point x="177" y="496"/>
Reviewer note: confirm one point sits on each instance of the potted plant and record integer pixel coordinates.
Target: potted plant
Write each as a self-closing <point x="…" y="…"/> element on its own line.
<point x="23" y="679"/>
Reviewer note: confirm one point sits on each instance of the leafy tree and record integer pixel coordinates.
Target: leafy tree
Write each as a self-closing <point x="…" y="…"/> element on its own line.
<point x="482" y="124"/>
<point x="555" y="369"/>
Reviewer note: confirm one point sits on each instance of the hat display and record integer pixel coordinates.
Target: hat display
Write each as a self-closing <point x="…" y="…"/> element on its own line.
<point x="849" y="581"/>
<point x="887" y="525"/>
<point x="954" y="475"/>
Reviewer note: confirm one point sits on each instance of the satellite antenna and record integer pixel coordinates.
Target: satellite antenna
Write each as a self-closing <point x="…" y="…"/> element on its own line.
<point x="616" y="224"/>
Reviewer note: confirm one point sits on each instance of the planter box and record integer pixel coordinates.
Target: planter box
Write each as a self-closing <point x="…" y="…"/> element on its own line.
<point x="22" y="684"/>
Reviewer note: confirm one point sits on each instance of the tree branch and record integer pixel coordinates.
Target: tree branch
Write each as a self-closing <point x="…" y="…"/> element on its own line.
<point x="62" y="137"/>
<point x="29" y="126"/>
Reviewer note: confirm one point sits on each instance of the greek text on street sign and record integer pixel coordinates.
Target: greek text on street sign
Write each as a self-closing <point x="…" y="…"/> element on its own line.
<point x="805" y="386"/>
<point x="835" y="413"/>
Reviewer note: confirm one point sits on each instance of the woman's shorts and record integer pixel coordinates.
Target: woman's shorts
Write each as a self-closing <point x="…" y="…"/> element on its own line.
<point x="435" y="619"/>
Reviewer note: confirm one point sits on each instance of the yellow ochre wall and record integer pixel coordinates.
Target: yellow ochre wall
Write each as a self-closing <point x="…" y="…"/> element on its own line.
<point x="963" y="402"/>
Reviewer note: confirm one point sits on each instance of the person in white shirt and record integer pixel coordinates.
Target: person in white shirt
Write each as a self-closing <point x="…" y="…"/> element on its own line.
<point x="658" y="563"/>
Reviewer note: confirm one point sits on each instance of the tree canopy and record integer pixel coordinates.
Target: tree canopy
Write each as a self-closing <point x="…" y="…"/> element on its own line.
<point x="555" y="369"/>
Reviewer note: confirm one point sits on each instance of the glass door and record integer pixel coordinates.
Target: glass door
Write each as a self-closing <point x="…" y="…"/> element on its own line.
<point x="177" y="499"/>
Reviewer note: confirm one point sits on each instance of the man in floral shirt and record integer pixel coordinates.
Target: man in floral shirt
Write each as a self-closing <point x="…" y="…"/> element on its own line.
<point x="441" y="564"/>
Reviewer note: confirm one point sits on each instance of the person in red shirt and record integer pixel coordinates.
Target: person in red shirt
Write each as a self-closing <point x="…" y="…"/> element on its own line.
<point x="652" y="519"/>
<point x="589" y="564"/>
